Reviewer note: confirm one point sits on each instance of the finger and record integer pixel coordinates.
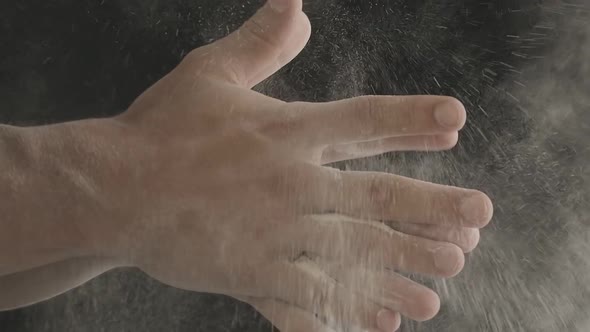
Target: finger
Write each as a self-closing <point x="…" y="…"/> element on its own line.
<point x="389" y="197"/>
<point x="312" y="290"/>
<point x="465" y="238"/>
<point x="287" y="317"/>
<point x="350" y="151"/>
<point x="273" y="37"/>
<point x="370" y="118"/>
<point x="370" y="244"/>
<point x="388" y="289"/>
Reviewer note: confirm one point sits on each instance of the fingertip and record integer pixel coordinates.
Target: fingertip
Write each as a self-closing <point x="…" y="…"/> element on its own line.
<point x="450" y="114"/>
<point x="471" y="240"/>
<point x="460" y="263"/>
<point x="462" y="112"/>
<point x="388" y="321"/>
<point x="398" y="321"/>
<point x="449" y="260"/>
<point x="283" y="6"/>
<point x="489" y="210"/>
<point x="427" y="306"/>
<point x="477" y="209"/>
<point x="447" y="141"/>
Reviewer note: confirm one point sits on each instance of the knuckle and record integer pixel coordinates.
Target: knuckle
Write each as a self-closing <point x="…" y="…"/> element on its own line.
<point x="299" y="110"/>
<point x="205" y="62"/>
<point x="380" y="193"/>
<point x="446" y="141"/>
<point x="408" y="115"/>
<point x="385" y="243"/>
<point x="195" y="58"/>
<point x="283" y="182"/>
<point x="297" y="180"/>
<point x="331" y="184"/>
<point x="370" y="112"/>
<point x="257" y="33"/>
<point x="282" y="125"/>
<point x="470" y="240"/>
<point x="374" y="249"/>
<point x="192" y="56"/>
<point x="201" y="63"/>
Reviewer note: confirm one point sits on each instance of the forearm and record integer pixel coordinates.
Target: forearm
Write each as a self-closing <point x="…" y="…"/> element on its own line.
<point x="50" y="208"/>
<point x="45" y="282"/>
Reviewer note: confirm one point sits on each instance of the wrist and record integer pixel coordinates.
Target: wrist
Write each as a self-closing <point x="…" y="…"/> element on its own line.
<point x="73" y="163"/>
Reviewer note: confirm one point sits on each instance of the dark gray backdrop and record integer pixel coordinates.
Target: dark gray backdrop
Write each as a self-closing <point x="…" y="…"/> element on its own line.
<point x="520" y="66"/>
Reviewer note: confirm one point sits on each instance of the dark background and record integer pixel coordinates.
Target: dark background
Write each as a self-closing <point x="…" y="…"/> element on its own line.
<point x="521" y="67"/>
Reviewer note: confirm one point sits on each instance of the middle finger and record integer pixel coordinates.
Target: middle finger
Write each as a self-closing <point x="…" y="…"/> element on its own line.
<point x="382" y="196"/>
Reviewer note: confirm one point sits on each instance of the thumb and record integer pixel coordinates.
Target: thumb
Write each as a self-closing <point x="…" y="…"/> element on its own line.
<point x="273" y="37"/>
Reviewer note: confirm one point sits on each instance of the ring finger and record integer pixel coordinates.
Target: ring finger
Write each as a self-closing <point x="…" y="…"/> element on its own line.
<point x="370" y="244"/>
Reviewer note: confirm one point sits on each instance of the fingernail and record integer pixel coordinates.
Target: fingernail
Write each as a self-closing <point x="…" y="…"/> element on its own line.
<point x="386" y="321"/>
<point x="447" y="115"/>
<point x="279" y="5"/>
<point x="476" y="209"/>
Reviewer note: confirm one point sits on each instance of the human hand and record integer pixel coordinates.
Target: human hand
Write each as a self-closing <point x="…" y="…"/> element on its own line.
<point x="221" y="189"/>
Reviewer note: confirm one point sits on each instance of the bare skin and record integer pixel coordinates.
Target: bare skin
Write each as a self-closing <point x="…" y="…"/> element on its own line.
<point x="209" y="186"/>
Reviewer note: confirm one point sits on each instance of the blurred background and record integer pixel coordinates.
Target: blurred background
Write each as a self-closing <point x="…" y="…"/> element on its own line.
<point x="521" y="67"/>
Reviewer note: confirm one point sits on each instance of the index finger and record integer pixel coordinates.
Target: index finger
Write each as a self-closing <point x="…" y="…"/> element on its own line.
<point x="369" y="118"/>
